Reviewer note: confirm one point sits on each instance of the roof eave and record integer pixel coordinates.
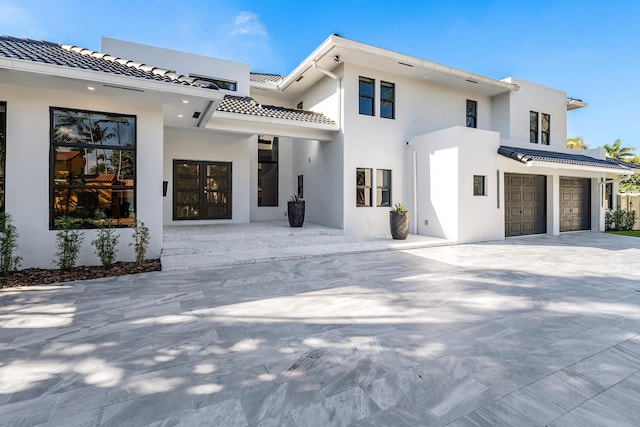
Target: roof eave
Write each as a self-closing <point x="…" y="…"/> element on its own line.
<point x="275" y="121"/>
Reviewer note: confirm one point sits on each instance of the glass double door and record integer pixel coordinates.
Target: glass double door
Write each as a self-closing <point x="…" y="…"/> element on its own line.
<point x="201" y="190"/>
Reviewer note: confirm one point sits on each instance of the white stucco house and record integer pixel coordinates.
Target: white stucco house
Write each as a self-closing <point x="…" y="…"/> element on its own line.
<point x="185" y="139"/>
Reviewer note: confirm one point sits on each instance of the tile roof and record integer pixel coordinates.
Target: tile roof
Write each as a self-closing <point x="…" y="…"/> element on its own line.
<point x="76" y="57"/>
<point x="524" y="155"/>
<point x="265" y="77"/>
<point x="249" y="106"/>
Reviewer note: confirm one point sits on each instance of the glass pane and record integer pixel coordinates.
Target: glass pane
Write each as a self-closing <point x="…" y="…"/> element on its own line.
<point x="545" y="122"/>
<point x="533" y="120"/>
<point x="82" y="204"/>
<point x="366" y="106"/>
<point x="268" y="149"/>
<point x="268" y="184"/>
<point x="188" y="169"/>
<point x="217" y="170"/>
<point x="192" y="184"/>
<point x="471" y="108"/>
<point x="94" y="166"/>
<point x="366" y="87"/>
<point x="478" y="185"/>
<point x="88" y="127"/>
<point x="386" y="109"/>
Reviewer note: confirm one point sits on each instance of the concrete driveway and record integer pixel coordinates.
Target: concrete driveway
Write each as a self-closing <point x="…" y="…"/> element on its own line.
<point x="531" y="331"/>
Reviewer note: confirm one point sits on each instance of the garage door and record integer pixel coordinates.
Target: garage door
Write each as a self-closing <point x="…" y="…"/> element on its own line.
<point x="575" y="203"/>
<point x="525" y="204"/>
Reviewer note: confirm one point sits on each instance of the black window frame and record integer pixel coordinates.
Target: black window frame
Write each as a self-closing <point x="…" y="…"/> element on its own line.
<point x="471" y="114"/>
<point x="202" y="190"/>
<point x="3" y="153"/>
<point x="365" y="96"/>
<point x="545" y="129"/>
<point x="364" y="187"/>
<point x="534" y="126"/>
<point x="274" y="142"/>
<point x="86" y="222"/>
<point x="381" y="188"/>
<point x="387" y="87"/>
<point x="301" y="185"/>
<point x="479" y="185"/>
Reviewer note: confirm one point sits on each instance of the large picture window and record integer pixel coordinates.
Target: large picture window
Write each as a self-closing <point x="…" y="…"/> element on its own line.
<point x="3" y="150"/>
<point x="93" y="159"/>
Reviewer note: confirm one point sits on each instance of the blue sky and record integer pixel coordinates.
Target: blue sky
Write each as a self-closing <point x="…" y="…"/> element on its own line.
<point x="590" y="49"/>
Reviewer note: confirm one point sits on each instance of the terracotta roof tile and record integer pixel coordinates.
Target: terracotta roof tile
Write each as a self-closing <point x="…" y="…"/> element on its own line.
<point x="76" y="57"/>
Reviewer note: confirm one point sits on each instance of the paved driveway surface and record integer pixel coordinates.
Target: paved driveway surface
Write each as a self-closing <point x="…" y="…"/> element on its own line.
<point x="532" y="331"/>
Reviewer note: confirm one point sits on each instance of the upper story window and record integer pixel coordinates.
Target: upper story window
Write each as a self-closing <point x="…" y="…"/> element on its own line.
<point x="387" y="100"/>
<point x="545" y="133"/>
<point x="94" y="159"/>
<point x="363" y="187"/>
<point x="367" y="97"/>
<point x="221" y="83"/>
<point x="533" y="127"/>
<point x="472" y="114"/>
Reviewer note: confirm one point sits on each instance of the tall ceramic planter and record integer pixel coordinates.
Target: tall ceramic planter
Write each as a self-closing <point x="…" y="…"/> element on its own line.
<point x="399" y="223"/>
<point x="295" y="213"/>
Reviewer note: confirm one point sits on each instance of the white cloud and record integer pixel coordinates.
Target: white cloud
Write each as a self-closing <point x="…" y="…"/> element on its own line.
<point x="17" y="21"/>
<point x="248" y="23"/>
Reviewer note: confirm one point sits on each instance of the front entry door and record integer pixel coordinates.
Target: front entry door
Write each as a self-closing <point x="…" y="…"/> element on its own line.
<point x="201" y="190"/>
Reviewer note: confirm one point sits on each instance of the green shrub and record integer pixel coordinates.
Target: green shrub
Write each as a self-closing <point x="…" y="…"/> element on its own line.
<point x="106" y="240"/>
<point x="619" y="220"/>
<point x="68" y="243"/>
<point x="9" y="261"/>
<point x="141" y="238"/>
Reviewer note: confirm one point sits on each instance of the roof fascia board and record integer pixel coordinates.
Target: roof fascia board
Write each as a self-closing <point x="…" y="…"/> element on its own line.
<point x="553" y="165"/>
<point x="105" y="78"/>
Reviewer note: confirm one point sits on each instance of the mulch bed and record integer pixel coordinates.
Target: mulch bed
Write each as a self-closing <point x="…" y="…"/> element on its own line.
<point x="40" y="276"/>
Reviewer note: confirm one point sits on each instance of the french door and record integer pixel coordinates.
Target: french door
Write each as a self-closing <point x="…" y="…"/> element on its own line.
<point x="201" y="190"/>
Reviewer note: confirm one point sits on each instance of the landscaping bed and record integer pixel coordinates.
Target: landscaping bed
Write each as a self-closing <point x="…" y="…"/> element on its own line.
<point x="40" y="276"/>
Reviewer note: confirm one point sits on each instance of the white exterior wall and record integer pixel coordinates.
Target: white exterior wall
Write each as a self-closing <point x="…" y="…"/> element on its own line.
<point x="27" y="171"/>
<point x="447" y="161"/>
<point x="181" y="62"/>
<point x="209" y="146"/>
<point x="378" y="143"/>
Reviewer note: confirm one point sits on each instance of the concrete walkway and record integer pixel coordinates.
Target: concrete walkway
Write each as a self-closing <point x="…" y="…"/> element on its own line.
<point x="206" y="246"/>
<point x="527" y="332"/>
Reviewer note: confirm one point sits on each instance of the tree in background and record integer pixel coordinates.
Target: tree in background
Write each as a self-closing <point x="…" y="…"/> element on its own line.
<point x="577" y="143"/>
<point x="615" y="151"/>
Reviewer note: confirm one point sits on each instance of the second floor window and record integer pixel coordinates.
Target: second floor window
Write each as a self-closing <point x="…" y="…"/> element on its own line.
<point x="472" y="114"/>
<point x="533" y="127"/>
<point x="545" y="134"/>
<point x="367" y="98"/>
<point x="387" y="100"/>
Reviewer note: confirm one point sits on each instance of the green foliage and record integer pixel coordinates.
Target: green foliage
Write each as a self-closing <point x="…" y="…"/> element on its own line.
<point x="615" y="151"/>
<point x="576" y="142"/>
<point x="295" y="198"/>
<point x="141" y="238"/>
<point x="632" y="185"/>
<point x="9" y="261"/>
<point x="399" y="207"/>
<point x="106" y="240"/>
<point x="619" y="220"/>
<point x="68" y="243"/>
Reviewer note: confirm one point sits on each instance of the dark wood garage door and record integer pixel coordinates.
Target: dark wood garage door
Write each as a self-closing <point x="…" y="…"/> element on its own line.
<point x="525" y="204"/>
<point x="575" y="203"/>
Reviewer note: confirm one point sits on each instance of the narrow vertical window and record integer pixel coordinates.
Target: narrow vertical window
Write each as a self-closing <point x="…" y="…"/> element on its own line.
<point x="301" y="185"/>
<point x="363" y="187"/>
<point x="267" y="170"/>
<point x="3" y="151"/>
<point x="367" y="98"/>
<point x="472" y="114"/>
<point x="533" y="127"/>
<point x="479" y="185"/>
<point x="383" y="187"/>
<point x="545" y="133"/>
<point x="387" y="100"/>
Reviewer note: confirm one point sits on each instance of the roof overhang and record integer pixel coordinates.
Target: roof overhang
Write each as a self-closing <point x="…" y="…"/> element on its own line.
<point x="180" y="102"/>
<point x="568" y="161"/>
<point x="336" y="50"/>
<point x="574" y="104"/>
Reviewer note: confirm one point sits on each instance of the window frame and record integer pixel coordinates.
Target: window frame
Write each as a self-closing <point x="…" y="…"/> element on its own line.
<point x="276" y="162"/>
<point x="545" y="129"/>
<point x="392" y="87"/>
<point x="364" y="188"/>
<point x="479" y="185"/>
<point x="53" y="186"/>
<point x="381" y="188"/>
<point x="473" y="117"/>
<point x="301" y="186"/>
<point x="534" y="132"/>
<point x="371" y="98"/>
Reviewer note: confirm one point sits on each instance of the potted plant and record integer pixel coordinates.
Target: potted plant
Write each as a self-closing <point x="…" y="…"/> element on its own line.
<point x="295" y="210"/>
<point x="399" y="221"/>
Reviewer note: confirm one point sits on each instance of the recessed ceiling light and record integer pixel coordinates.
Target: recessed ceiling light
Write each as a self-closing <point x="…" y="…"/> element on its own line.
<point x="184" y="101"/>
<point x="91" y="88"/>
<point x="180" y="115"/>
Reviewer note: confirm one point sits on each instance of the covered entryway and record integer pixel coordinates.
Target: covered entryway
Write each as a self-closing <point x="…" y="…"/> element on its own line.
<point x="525" y="206"/>
<point x="575" y="203"/>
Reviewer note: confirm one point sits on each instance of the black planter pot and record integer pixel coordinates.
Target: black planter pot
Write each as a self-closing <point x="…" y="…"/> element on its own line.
<point x="295" y="213"/>
<point x="399" y="223"/>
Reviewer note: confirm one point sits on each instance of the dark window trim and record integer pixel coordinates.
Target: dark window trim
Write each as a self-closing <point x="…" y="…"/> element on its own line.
<point x="372" y="97"/>
<point x="202" y="173"/>
<point x="534" y="131"/>
<point x="471" y="119"/>
<point x="379" y="187"/>
<point x="301" y="185"/>
<point x="365" y="188"/>
<point x="392" y="101"/>
<point x="483" y="188"/>
<point x="52" y="162"/>
<point x="271" y="162"/>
